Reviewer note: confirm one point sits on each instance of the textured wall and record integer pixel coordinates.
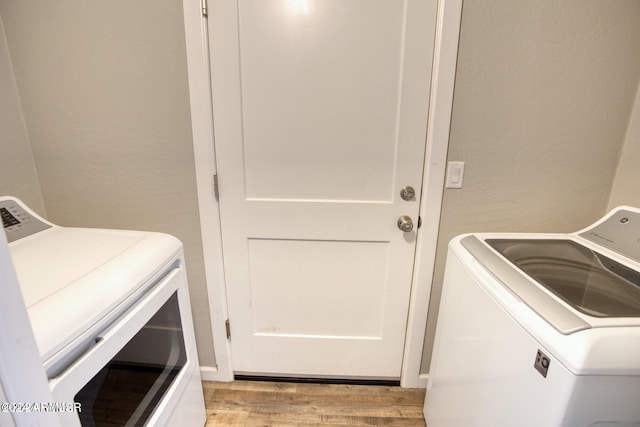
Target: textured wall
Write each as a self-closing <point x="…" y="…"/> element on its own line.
<point x="543" y="96"/>
<point x="626" y="188"/>
<point x="105" y="97"/>
<point x="18" y="175"/>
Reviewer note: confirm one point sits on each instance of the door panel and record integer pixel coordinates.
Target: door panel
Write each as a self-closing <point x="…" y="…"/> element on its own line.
<point x="320" y="111"/>
<point x="320" y="83"/>
<point x="338" y="288"/>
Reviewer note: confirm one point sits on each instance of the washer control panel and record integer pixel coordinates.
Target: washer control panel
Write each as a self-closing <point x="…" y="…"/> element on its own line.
<point x="18" y="222"/>
<point x="618" y="231"/>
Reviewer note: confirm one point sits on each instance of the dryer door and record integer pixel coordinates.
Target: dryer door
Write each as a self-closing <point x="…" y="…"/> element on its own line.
<point x="125" y="377"/>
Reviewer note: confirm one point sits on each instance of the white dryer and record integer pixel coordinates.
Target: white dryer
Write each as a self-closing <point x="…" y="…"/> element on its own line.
<point x="111" y="316"/>
<point x="540" y="330"/>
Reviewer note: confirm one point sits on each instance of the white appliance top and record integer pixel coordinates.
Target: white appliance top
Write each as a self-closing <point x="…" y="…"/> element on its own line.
<point x="577" y="293"/>
<point x="71" y="278"/>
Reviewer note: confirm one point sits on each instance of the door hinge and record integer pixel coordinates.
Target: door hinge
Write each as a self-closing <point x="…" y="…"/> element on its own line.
<point x="205" y="11"/>
<point x="216" y="191"/>
<point x="419" y="221"/>
<point x="227" y="325"/>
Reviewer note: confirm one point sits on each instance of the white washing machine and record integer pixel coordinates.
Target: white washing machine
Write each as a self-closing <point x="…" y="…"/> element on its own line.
<point x="540" y="330"/>
<point x="111" y="316"/>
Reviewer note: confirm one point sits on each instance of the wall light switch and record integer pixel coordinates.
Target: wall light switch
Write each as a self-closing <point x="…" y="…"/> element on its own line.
<point x="455" y="174"/>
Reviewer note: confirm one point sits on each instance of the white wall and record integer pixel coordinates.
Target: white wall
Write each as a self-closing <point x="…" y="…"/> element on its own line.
<point x="18" y="175"/>
<point x="543" y="95"/>
<point x="105" y="98"/>
<point x="626" y="186"/>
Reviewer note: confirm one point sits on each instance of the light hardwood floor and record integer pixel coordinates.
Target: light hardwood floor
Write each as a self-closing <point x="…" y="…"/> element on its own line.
<point x="276" y="404"/>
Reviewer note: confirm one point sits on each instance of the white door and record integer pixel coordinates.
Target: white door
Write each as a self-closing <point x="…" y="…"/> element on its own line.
<point x="320" y="112"/>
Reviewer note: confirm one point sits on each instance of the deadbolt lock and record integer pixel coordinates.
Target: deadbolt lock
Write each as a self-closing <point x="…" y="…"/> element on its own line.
<point x="408" y="193"/>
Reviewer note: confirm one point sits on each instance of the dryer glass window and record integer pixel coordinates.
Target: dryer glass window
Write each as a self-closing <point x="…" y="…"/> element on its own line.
<point x="590" y="282"/>
<point x="128" y="389"/>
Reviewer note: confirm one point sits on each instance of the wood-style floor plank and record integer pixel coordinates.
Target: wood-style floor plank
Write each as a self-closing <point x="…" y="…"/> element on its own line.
<point x="277" y="404"/>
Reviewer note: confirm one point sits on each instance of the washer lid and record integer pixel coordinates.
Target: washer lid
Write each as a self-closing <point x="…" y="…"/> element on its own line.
<point x="586" y="280"/>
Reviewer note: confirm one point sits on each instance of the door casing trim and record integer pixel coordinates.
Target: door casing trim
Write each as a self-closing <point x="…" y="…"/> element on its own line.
<point x="439" y="123"/>
<point x="445" y="58"/>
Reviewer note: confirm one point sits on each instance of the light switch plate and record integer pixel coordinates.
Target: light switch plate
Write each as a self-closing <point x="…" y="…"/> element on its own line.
<point x="455" y="175"/>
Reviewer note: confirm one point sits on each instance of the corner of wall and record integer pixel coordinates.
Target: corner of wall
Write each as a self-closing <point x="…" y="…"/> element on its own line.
<point x="18" y="173"/>
<point x="624" y="188"/>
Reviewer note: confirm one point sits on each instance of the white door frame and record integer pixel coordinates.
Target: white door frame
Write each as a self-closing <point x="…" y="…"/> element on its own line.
<point x="439" y="123"/>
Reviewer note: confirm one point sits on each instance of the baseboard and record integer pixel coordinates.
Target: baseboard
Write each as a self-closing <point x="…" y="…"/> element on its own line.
<point x="211" y="373"/>
<point x="422" y="380"/>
